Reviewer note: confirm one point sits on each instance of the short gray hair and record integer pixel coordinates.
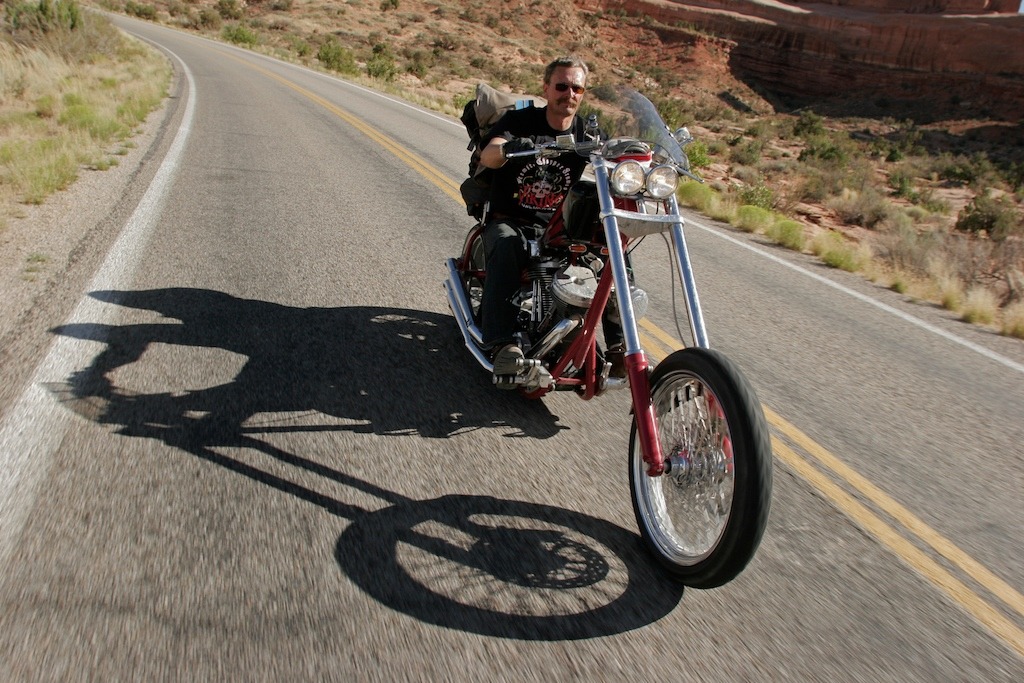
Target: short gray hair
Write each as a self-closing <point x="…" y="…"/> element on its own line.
<point x="568" y="62"/>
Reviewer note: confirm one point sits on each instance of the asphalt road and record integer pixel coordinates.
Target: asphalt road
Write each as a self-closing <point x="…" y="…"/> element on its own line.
<point x="253" y="447"/>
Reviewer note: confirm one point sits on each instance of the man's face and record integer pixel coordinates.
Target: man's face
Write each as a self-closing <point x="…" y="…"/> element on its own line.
<point x="565" y="102"/>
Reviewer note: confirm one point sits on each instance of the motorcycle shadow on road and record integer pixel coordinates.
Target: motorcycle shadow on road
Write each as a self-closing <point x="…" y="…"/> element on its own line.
<point x="489" y="566"/>
<point x="381" y="370"/>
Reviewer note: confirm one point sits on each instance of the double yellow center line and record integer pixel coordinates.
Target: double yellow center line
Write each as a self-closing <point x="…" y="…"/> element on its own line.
<point x="821" y="469"/>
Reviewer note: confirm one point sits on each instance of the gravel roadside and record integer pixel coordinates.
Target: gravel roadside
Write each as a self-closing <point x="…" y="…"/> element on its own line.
<point x="49" y="254"/>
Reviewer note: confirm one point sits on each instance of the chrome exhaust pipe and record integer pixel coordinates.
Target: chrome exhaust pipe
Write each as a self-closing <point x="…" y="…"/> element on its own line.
<point x="556" y="335"/>
<point x="462" y="311"/>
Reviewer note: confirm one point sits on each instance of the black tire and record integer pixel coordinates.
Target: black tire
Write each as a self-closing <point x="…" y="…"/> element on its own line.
<point x="704" y="520"/>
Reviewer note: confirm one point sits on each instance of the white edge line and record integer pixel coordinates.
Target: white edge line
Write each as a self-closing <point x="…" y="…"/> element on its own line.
<point x="35" y="426"/>
<point x="949" y="336"/>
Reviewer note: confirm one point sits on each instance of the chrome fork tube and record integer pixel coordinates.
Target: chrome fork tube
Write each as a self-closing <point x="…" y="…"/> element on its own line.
<point x="636" y="360"/>
<point x="617" y="260"/>
<point x="693" y="310"/>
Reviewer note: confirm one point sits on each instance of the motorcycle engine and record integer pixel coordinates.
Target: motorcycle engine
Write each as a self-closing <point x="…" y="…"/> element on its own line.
<point x="573" y="289"/>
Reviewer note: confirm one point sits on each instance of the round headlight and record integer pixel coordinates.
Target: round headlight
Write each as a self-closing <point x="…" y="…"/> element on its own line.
<point x="662" y="182"/>
<point x="628" y="178"/>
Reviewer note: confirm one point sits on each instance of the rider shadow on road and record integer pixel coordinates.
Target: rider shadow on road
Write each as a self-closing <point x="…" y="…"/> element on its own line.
<point x="389" y="372"/>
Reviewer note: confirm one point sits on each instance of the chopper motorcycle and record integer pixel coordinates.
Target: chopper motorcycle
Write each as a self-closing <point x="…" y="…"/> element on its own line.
<point x="699" y="453"/>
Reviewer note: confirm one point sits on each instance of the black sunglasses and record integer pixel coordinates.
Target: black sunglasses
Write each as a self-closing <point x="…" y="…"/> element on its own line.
<point x="578" y="89"/>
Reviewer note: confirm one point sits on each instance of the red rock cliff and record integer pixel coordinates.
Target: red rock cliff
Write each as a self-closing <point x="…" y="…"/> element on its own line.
<point x="924" y="6"/>
<point x="927" y="57"/>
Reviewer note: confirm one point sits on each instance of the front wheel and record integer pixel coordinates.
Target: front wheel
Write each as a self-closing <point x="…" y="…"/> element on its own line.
<point x="703" y="519"/>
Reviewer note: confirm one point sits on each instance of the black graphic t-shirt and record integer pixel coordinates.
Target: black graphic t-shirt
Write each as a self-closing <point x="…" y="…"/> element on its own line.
<point x="532" y="187"/>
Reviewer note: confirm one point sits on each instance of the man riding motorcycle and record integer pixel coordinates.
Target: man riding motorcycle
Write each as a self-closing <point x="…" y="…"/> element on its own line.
<point x="525" y="191"/>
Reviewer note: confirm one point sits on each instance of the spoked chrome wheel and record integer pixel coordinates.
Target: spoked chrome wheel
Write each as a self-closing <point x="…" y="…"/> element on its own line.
<point x="704" y="517"/>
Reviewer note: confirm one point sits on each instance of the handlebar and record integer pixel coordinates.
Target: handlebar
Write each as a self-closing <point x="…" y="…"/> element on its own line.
<point x="557" y="147"/>
<point x="564" y="146"/>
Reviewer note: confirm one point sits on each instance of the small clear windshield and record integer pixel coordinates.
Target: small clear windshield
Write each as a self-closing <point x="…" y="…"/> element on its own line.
<point x="638" y="118"/>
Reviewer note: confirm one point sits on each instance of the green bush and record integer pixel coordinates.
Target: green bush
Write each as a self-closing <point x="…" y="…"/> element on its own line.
<point x="809" y="125"/>
<point x="43" y="16"/>
<point x="696" y="195"/>
<point x="902" y="183"/>
<point x="989" y="215"/>
<point x="753" y="218"/>
<point x="229" y="9"/>
<point x="788" y="233"/>
<point x="836" y="252"/>
<point x="382" y="65"/>
<point x="748" y="153"/>
<point x="697" y="153"/>
<point x="139" y="10"/>
<point x="209" y="18"/>
<point x="826" y="151"/>
<point x="337" y="58"/>
<point x="301" y="47"/>
<point x="240" y="35"/>
<point x="758" y="195"/>
<point x="866" y="208"/>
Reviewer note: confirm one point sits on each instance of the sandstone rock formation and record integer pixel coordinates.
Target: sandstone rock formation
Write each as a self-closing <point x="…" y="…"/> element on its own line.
<point x="924" y="6"/>
<point x="924" y="59"/>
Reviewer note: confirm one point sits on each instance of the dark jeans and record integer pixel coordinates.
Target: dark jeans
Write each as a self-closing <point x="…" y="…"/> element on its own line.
<point x="506" y="257"/>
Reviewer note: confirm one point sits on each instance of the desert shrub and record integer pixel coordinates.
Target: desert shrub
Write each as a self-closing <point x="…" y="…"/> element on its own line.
<point x="901" y="181"/>
<point x="717" y="148"/>
<point x="833" y="249"/>
<point x="809" y="125"/>
<point x="697" y="153"/>
<point x="826" y="151"/>
<point x="606" y="92"/>
<point x="382" y="63"/>
<point x="419" y="64"/>
<point x="995" y="217"/>
<point x="866" y="208"/>
<point x="209" y="19"/>
<point x="240" y="35"/>
<point x="980" y="306"/>
<point x="747" y="153"/>
<point x="140" y="10"/>
<point x="59" y="28"/>
<point x="788" y="233"/>
<point x="722" y="208"/>
<point x="696" y="195"/>
<point x="759" y="195"/>
<point x="963" y="170"/>
<point x="337" y="58"/>
<point x="1013" y="320"/>
<point x="951" y="293"/>
<point x="229" y="9"/>
<point x="42" y="16"/>
<point x="301" y="47"/>
<point x="753" y="218"/>
<point x="928" y="201"/>
<point x="675" y="112"/>
<point x="904" y="247"/>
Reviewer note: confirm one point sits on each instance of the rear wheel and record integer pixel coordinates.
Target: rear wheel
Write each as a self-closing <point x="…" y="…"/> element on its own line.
<point x="472" y="280"/>
<point x="703" y="519"/>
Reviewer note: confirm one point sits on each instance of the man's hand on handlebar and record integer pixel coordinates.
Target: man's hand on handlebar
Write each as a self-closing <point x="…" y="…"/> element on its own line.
<point x="518" y="146"/>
